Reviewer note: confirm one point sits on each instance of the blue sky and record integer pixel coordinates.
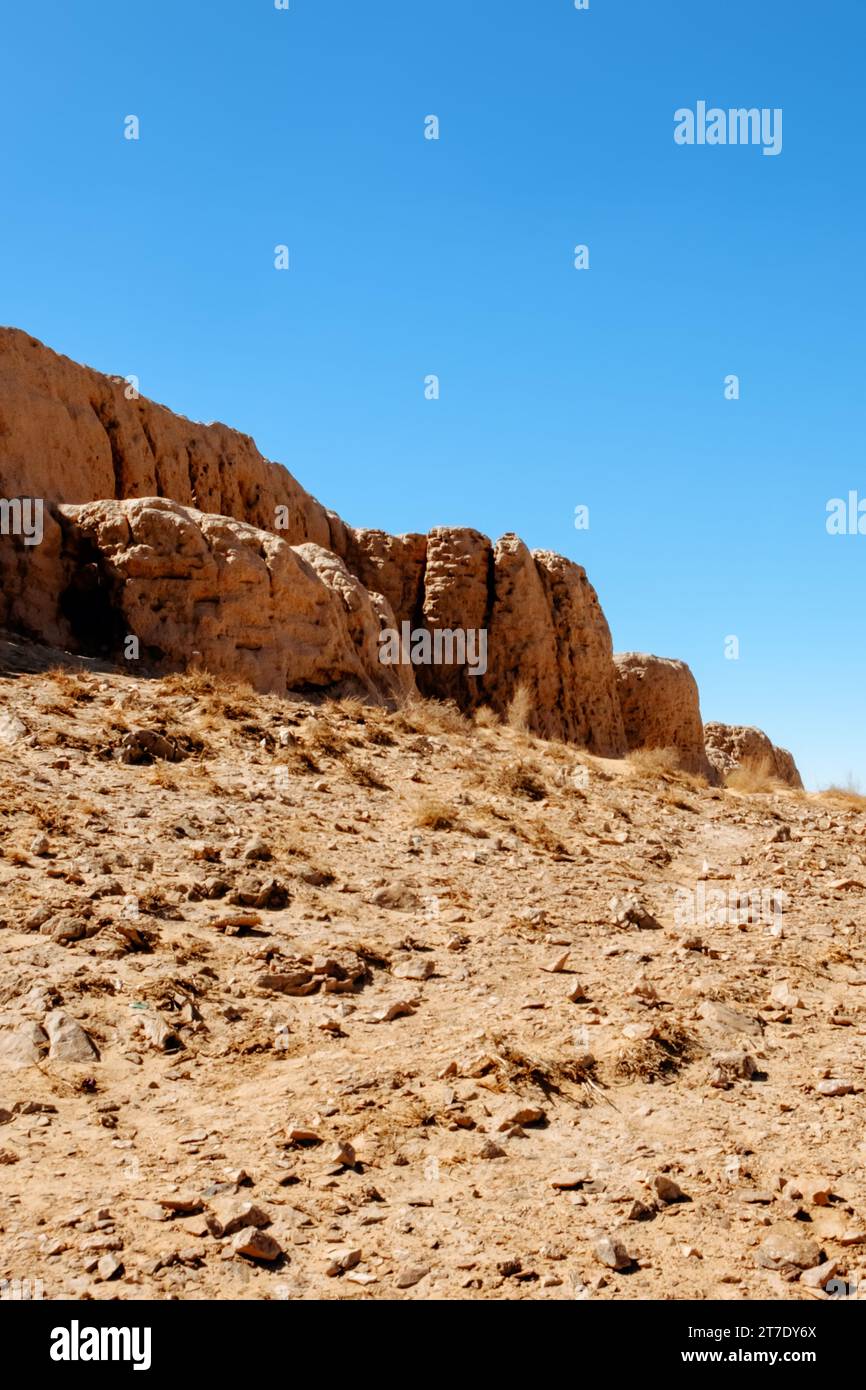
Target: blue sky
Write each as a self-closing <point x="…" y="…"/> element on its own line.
<point x="409" y="257"/>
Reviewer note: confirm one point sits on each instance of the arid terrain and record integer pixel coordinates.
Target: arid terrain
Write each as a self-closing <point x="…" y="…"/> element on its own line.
<point x="312" y="999"/>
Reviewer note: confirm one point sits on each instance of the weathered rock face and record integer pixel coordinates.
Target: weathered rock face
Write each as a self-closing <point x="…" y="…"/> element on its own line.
<point x="234" y="599"/>
<point x="733" y="745"/>
<point x="391" y="565"/>
<point x="588" y="698"/>
<point x="457" y="589"/>
<point x="548" y="633"/>
<point x="661" y="708"/>
<point x="184" y="535"/>
<point x="545" y="631"/>
<point x="70" y="434"/>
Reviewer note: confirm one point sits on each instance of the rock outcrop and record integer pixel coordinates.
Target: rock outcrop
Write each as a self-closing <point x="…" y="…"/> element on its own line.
<point x="71" y="434"/>
<point x="661" y="708"/>
<point x="184" y="536"/>
<point x="211" y="590"/>
<point x="736" y="745"/>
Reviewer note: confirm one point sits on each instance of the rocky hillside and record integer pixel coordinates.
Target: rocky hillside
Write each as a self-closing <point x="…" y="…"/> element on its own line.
<point x="304" y="999"/>
<point x="183" y="537"/>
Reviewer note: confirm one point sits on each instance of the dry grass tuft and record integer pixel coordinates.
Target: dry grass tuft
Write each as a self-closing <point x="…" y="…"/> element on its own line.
<point x="364" y="776"/>
<point x="199" y="683"/>
<point x="522" y="779"/>
<point x="849" y="796"/>
<point x="430" y="814"/>
<point x="486" y="718"/>
<point x="75" y="685"/>
<point x="321" y="739"/>
<point x="753" y="777"/>
<point x="520" y="710"/>
<point x="420" y="716"/>
<point x="657" y="1058"/>
<point x="654" y="762"/>
<point x="553" y="1077"/>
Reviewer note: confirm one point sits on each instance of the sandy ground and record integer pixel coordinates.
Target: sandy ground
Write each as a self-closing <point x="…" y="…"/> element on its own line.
<point x="397" y="1005"/>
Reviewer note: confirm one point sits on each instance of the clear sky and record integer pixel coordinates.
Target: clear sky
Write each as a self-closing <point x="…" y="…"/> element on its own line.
<point x="410" y="257"/>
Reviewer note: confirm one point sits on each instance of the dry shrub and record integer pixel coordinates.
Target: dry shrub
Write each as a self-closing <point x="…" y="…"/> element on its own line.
<point x="419" y="716"/>
<point x="657" y="1058"/>
<point x="539" y="834"/>
<point x="522" y="779"/>
<point x="654" y="762"/>
<point x="161" y="777"/>
<point x="74" y="684"/>
<point x="486" y="718"/>
<point x="551" y="1076"/>
<point x="364" y="776"/>
<point x="520" y="710"/>
<point x="664" y="765"/>
<point x="849" y="796"/>
<point x="199" y="683"/>
<point x="430" y="814"/>
<point x="753" y="777"/>
<point x="321" y="739"/>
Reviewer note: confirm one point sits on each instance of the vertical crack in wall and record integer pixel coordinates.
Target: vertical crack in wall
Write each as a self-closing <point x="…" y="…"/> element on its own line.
<point x="104" y="413"/>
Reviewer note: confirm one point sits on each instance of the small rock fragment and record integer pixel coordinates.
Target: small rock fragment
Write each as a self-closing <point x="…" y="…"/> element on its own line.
<point x="69" y="1042"/>
<point x="613" y="1253"/>
<point x="666" y="1189"/>
<point x="226" y="1218"/>
<point x="490" y="1149"/>
<point x="339" y="1261"/>
<point x="819" y="1275"/>
<point x="256" y="1245"/>
<point x="781" y="1249"/>
<point x="832" y="1086"/>
<point x="109" y="1267"/>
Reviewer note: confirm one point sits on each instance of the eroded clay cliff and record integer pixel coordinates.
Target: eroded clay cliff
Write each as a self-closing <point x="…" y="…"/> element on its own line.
<point x="734" y="745"/>
<point x="185" y="536"/>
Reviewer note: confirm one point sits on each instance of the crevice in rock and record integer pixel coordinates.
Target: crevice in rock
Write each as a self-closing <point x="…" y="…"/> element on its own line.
<point x="152" y="447"/>
<point x="90" y="602"/>
<point x="110" y="423"/>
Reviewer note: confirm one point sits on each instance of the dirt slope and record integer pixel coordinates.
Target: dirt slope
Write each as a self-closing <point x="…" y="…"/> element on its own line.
<point x="519" y="1066"/>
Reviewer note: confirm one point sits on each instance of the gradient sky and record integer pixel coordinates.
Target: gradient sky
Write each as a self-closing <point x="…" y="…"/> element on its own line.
<point x="408" y="257"/>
